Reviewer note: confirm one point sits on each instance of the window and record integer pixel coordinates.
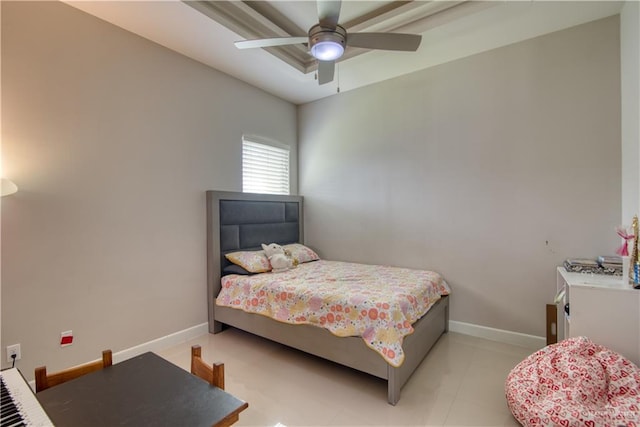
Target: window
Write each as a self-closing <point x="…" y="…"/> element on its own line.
<point x="265" y="167"/>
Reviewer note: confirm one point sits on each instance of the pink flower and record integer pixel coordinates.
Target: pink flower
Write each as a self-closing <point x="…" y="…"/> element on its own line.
<point x="622" y="232"/>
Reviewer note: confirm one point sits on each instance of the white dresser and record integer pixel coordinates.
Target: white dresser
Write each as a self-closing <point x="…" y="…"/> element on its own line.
<point x="602" y="309"/>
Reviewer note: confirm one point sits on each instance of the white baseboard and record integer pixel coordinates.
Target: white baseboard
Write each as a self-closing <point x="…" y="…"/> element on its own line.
<point x="500" y="335"/>
<point x="162" y="342"/>
<point x="155" y="345"/>
<point x="516" y="338"/>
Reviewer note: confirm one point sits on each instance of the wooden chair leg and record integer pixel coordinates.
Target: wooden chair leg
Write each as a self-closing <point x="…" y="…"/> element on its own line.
<point x="41" y="378"/>
<point x="218" y="375"/>
<point x="107" y="358"/>
<point x="196" y="352"/>
<point x="552" y="324"/>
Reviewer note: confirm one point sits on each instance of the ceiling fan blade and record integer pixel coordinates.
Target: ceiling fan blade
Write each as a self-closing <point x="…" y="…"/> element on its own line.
<point x="384" y="41"/>
<point x="325" y="71"/>
<point x="329" y="13"/>
<point x="278" y="41"/>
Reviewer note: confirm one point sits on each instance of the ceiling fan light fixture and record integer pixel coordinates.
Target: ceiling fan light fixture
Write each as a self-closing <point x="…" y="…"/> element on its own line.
<point x="327" y="44"/>
<point x="328" y="50"/>
<point x="327" y="41"/>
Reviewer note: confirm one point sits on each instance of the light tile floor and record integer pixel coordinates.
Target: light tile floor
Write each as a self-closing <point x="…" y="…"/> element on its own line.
<point x="460" y="382"/>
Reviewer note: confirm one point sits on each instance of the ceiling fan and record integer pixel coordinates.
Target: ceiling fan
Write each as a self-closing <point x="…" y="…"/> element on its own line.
<point x="327" y="40"/>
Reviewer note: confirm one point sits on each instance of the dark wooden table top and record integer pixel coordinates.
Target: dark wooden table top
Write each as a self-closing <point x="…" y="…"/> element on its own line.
<point x="145" y="390"/>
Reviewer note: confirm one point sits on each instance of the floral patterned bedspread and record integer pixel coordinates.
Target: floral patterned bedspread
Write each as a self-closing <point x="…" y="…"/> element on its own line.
<point x="378" y="303"/>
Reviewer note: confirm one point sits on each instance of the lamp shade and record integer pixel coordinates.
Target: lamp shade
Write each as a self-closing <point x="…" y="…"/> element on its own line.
<point x="8" y="187"/>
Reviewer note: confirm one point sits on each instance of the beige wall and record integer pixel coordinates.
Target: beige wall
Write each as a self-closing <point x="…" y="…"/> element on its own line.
<point x="491" y="169"/>
<point x="630" y="89"/>
<point x="113" y="141"/>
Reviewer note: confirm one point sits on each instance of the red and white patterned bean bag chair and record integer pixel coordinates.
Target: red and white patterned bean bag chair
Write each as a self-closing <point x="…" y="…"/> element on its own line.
<point x="575" y="383"/>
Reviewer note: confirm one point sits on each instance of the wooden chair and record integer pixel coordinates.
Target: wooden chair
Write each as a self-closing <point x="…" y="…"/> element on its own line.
<point x="44" y="380"/>
<point x="213" y="374"/>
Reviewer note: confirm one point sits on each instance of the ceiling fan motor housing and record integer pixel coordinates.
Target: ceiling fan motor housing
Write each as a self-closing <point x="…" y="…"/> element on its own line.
<point x="327" y="44"/>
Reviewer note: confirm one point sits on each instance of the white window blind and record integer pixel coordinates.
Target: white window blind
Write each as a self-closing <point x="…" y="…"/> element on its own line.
<point x="265" y="168"/>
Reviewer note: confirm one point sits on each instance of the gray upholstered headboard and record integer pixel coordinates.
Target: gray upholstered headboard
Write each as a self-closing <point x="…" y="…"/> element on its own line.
<point x="242" y="221"/>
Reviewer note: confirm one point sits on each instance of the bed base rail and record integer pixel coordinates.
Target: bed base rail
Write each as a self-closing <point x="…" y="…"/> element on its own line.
<point x="348" y="351"/>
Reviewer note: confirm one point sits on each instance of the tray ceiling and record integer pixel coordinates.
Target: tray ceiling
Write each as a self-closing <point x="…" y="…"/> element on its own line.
<point x="261" y="19"/>
<point x="206" y="31"/>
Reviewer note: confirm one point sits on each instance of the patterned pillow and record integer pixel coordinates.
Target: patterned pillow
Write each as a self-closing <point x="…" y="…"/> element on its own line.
<point x="235" y="269"/>
<point x="252" y="261"/>
<point x="301" y="253"/>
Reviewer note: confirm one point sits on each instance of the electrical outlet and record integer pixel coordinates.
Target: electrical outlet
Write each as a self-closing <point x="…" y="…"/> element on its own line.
<point x="11" y="350"/>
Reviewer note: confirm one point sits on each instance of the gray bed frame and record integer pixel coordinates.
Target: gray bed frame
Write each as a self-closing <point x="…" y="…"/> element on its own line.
<point x="242" y="221"/>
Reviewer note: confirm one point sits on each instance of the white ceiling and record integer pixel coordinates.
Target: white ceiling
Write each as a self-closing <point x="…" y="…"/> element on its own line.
<point x="460" y="31"/>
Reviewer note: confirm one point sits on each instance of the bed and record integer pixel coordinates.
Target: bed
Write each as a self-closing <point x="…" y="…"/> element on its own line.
<point x="243" y="221"/>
